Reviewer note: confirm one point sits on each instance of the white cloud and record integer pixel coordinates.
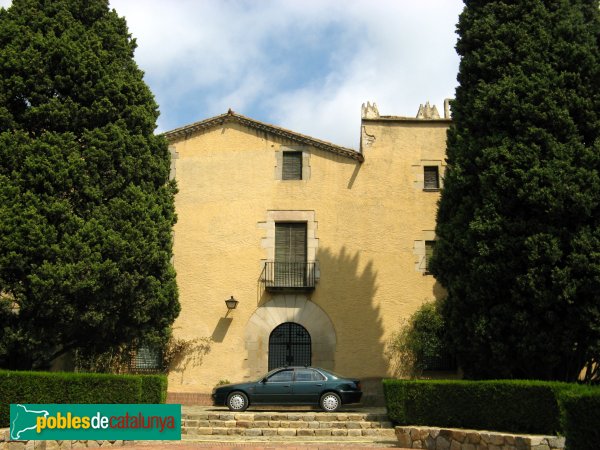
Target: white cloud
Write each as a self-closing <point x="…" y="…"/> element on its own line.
<point x="304" y="65"/>
<point x="399" y="54"/>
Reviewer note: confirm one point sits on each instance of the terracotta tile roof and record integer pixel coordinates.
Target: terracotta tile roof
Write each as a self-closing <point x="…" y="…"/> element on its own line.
<point x="230" y="116"/>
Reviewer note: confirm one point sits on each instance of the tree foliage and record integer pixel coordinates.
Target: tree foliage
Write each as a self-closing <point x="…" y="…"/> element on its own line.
<point x="420" y="344"/>
<point x="86" y="206"/>
<point x="519" y="217"/>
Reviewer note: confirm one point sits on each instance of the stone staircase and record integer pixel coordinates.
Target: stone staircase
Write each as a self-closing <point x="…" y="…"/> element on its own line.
<point x="343" y="426"/>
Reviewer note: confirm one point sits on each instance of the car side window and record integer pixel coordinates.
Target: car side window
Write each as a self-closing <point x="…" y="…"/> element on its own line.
<point x="317" y="376"/>
<point x="284" y="375"/>
<point x="308" y="375"/>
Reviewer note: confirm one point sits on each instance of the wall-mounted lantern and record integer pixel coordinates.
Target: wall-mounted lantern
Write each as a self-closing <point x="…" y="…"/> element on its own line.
<point x="231" y="303"/>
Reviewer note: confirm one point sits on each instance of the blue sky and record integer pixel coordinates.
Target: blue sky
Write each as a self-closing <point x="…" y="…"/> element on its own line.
<point x="306" y="65"/>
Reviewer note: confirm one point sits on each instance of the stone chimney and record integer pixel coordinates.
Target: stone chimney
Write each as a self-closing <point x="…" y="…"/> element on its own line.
<point x="369" y="111"/>
<point x="447" y="108"/>
<point x="427" y="112"/>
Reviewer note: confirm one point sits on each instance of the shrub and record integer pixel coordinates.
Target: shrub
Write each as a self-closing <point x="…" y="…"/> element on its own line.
<point x="46" y="387"/>
<point x="420" y="343"/>
<point x="504" y="405"/>
<point x="581" y="418"/>
<point x="154" y="388"/>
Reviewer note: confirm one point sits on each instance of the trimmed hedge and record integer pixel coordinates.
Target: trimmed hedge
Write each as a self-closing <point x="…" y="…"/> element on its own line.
<point x="59" y="387"/>
<point x="516" y="406"/>
<point x="581" y="419"/>
<point x="154" y="389"/>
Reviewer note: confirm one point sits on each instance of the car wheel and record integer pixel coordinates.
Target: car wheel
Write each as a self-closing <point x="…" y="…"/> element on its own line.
<point x="237" y="401"/>
<point x="330" y="402"/>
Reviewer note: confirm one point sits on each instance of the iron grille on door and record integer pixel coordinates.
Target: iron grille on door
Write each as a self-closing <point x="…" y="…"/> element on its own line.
<point x="289" y="345"/>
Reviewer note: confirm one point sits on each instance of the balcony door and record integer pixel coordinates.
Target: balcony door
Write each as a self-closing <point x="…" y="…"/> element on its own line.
<point x="290" y="254"/>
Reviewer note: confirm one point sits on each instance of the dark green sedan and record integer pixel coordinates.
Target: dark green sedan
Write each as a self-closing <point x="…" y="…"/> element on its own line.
<point x="291" y="386"/>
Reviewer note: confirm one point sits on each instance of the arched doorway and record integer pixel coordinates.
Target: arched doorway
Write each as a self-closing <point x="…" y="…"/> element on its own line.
<point x="289" y="345"/>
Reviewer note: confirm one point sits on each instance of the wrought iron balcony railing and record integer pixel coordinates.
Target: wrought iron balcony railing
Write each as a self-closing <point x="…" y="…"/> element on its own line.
<point x="289" y="275"/>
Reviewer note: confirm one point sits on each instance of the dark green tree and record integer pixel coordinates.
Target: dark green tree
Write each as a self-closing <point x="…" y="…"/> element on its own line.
<point x="519" y="217"/>
<point x="86" y="205"/>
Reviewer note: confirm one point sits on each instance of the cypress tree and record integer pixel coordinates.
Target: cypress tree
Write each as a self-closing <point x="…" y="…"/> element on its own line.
<point x="86" y="205"/>
<point x="519" y="217"/>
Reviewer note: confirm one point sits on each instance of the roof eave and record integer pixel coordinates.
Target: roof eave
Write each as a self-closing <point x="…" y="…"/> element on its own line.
<point x="188" y="130"/>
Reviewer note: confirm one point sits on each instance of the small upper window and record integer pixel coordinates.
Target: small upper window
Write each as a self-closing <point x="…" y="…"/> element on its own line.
<point x="431" y="177"/>
<point x="292" y="166"/>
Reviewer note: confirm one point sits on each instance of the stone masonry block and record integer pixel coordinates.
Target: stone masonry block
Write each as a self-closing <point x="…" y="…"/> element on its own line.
<point x="323" y="432"/>
<point x="286" y="432"/>
<point x="442" y="443"/>
<point x="339" y="432"/>
<point x="244" y="423"/>
<point x="306" y="432"/>
<point x="204" y="431"/>
<point x="253" y="432"/>
<point x="244" y="416"/>
<point x="219" y="430"/>
<point x="16" y="446"/>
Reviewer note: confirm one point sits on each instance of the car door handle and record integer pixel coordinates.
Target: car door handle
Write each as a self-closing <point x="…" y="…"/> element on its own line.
<point x="319" y="385"/>
<point x="286" y="385"/>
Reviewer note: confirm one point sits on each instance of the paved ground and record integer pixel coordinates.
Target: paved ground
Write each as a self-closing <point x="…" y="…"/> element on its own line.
<point x="257" y="446"/>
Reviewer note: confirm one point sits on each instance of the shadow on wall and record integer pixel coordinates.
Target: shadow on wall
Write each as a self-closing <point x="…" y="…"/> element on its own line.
<point x="439" y="292"/>
<point x="346" y="291"/>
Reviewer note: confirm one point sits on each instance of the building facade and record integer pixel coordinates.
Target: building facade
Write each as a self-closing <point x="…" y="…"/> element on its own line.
<point x="324" y="248"/>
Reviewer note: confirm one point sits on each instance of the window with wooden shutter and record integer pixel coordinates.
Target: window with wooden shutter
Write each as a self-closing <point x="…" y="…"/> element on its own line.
<point x="429" y="246"/>
<point x="292" y="166"/>
<point x="431" y="177"/>
<point x="290" y="254"/>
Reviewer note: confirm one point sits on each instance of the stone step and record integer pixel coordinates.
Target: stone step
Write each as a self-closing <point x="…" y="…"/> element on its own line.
<point x="349" y="426"/>
<point x="191" y="433"/>
<point x="356" y="425"/>
<point x="285" y="416"/>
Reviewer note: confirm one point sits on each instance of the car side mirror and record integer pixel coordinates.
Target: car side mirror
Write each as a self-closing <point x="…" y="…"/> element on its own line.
<point x="263" y="381"/>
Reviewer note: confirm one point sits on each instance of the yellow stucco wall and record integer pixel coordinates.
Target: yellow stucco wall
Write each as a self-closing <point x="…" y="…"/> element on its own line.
<point x="371" y="219"/>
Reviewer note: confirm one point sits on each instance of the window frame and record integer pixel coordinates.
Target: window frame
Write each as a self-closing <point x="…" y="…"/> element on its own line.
<point x="295" y="159"/>
<point x="429" y="244"/>
<point x="431" y="168"/>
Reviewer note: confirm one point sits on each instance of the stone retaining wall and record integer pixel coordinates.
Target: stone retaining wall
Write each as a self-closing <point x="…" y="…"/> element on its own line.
<point x="7" y="444"/>
<point x="433" y="438"/>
